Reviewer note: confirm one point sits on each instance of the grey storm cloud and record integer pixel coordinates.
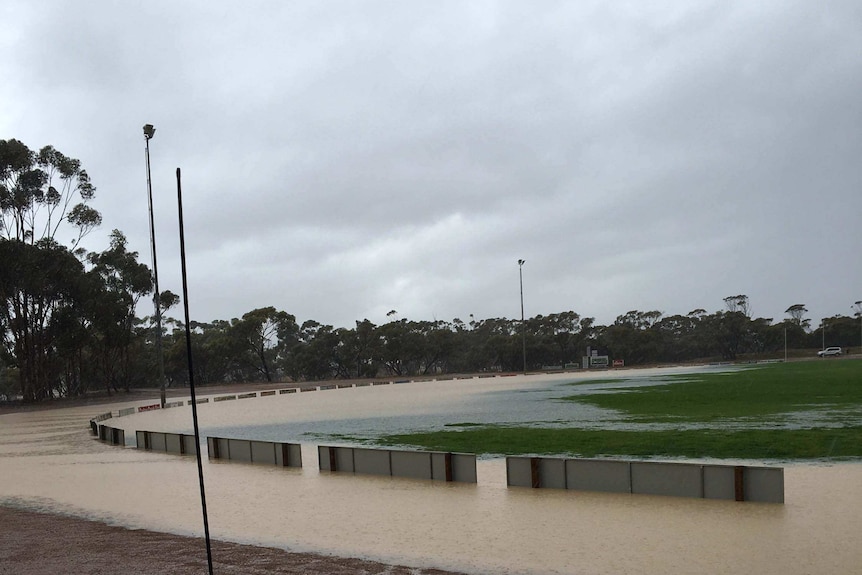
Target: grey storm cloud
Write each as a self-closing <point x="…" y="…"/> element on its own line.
<point x="343" y="159"/>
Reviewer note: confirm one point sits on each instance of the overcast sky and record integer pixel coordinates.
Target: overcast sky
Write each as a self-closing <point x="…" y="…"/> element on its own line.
<point x="344" y="159"/>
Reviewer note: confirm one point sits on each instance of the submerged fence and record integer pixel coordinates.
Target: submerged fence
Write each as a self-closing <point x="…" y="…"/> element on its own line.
<point x="111" y="435"/>
<point x="251" y="451"/>
<point x="706" y="481"/>
<point x="94" y="423"/>
<point x="732" y="482"/>
<point x="177" y="443"/>
<point x="439" y="466"/>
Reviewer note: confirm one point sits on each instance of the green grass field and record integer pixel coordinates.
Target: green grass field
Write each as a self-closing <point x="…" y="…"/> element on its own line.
<point x="735" y="415"/>
<point x="761" y="391"/>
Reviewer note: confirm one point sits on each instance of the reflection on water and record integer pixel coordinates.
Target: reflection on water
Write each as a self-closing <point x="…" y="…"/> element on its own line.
<point x="49" y="461"/>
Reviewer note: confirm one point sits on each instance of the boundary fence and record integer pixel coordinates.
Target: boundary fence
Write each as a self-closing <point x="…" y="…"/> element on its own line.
<point x="435" y="465"/>
<point x="252" y="451"/>
<point x="707" y="481"/>
<point x="111" y="435"/>
<point x="178" y="443"/>
<point x="94" y="423"/>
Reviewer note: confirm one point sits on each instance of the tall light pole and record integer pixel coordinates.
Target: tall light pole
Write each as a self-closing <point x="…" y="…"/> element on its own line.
<point x="857" y="307"/>
<point x="149" y="132"/>
<point x="823" y="334"/>
<point x="523" y="324"/>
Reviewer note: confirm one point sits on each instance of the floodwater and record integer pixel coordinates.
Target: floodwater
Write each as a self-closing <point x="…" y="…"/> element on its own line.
<point x="48" y="461"/>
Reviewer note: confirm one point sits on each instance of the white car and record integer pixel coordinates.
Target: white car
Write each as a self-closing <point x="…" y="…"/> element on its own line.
<point x="829" y="351"/>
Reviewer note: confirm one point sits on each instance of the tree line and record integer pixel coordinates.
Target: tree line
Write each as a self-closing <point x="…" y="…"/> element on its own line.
<point x="269" y="345"/>
<point x="69" y="325"/>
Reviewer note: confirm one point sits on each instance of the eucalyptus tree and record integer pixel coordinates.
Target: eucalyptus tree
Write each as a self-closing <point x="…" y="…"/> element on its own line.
<point x="840" y="330"/>
<point x="635" y="337"/>
<point x="265" y="336"/>
<point x="360" y="350"/>
<point x="393" y="341"/>
<point x="728" y="331"/>
<point x="565" y="335"/>
<point x="40" y="285"/>
<point x="797" y="315"/>
<point x="44" y="199"/>
<point x="494" y="345"/>
<point x="677" y="337"/>
<point x="43" y="194"/>
<point x="439" y="346"/>
<point x="123" y="281"/>
<point x="317" y="354"/>
<point x="738" y="303"/>
<point x="216" y="353"/>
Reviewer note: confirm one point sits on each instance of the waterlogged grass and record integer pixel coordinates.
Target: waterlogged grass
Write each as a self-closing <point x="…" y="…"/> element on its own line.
<point x="595" y="381"/>
<point x="841" y="443"/>
<point x="714" y="401"/>
<point x="754" y="392"/>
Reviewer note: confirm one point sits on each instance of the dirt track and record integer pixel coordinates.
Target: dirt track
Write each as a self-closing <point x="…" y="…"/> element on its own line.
<point x="42" y="544"/>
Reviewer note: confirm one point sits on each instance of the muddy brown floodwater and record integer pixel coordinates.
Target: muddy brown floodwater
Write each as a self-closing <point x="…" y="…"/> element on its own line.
<point x="50" y="463"/>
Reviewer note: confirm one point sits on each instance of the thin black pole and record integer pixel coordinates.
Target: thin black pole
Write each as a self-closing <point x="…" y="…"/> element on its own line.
<point x="192" y="375"/>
